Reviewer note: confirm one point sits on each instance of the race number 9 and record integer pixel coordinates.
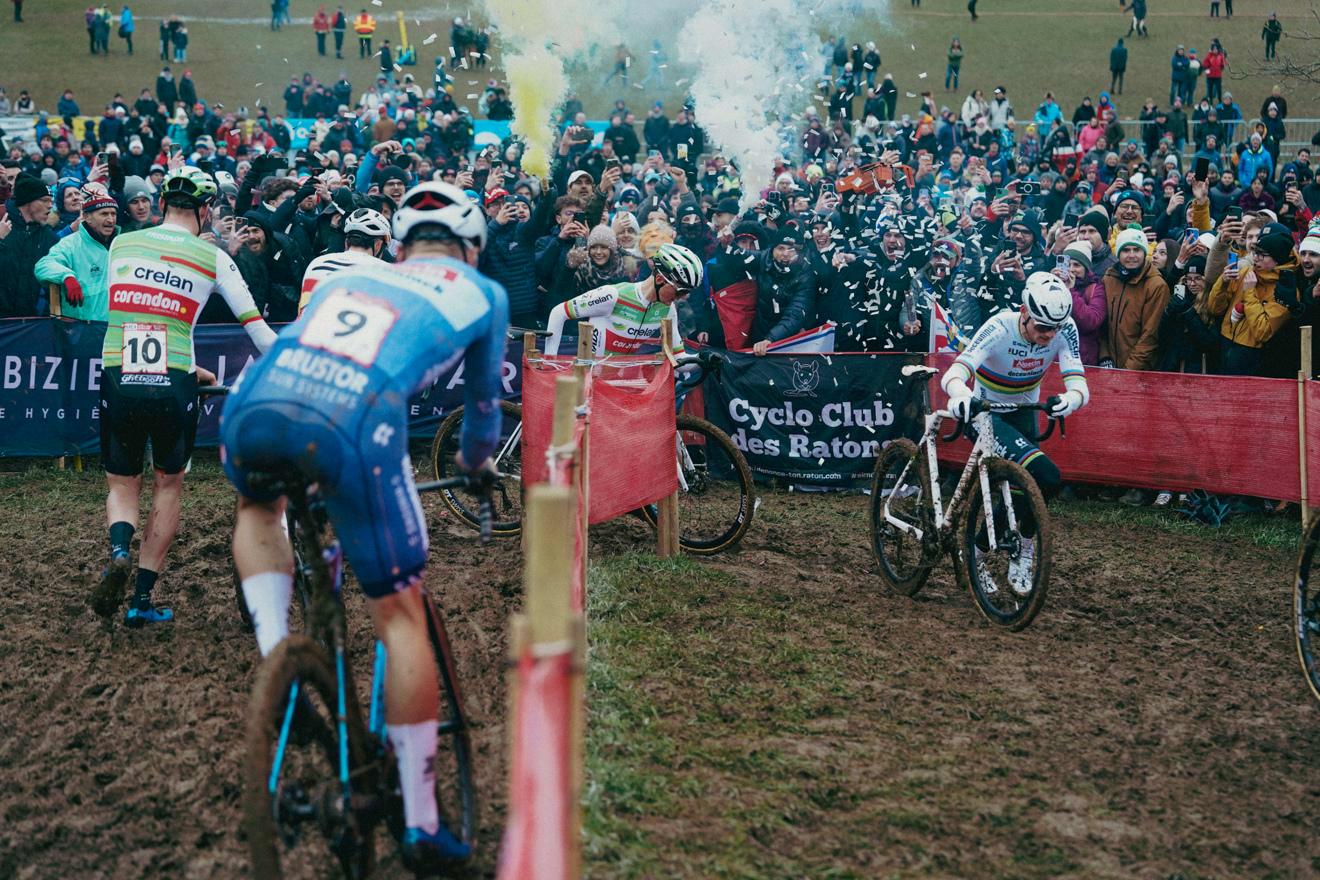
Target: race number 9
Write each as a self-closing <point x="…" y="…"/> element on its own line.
<point x="145" y="349"/>
<point x="350" y="325"/>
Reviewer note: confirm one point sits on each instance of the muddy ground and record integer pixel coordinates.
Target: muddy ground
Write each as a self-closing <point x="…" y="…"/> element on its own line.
<point x="1150" y="723"/>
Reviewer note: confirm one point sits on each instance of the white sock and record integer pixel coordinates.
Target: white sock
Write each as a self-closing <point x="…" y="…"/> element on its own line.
<point x="267" y="596"/>
<point x="414" y="751"/>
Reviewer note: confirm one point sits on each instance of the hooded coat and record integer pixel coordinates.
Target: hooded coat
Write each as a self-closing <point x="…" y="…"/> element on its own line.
<point x="1135" y="308"/>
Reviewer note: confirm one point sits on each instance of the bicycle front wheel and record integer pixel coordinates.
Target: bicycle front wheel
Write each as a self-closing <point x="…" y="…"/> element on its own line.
<point x="715" y="494"/>
<point x="1306" y="611"/>
<point x="1008" y="580"/>
<point x="291" y="769"/>
<point x="507" y="495"/>
<point x="899" y="491"/>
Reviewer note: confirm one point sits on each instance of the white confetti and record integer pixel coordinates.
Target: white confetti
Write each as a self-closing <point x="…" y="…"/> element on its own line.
<point x="912" y="46"/>
<point x="377" y="3"/>
<point x="921" y="76"/>
<point x="429" y="40"/>
<point x="258" y="85"/>
<point x="398" y="69"/>
<point x="472" y="96"/>
<point x="911" y="94"/>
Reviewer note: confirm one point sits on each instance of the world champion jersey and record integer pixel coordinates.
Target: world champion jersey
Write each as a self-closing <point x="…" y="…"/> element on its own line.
<point x="160" y="279"/>
<point x="622" y="322"/>
<point x="1009" y="369"/>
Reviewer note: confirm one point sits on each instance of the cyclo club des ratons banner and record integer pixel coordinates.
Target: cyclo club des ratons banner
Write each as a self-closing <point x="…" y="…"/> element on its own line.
<point x="50" y="380"/>
<point x="813" y="418"/>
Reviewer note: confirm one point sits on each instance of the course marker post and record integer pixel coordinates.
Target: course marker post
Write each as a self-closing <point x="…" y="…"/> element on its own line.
<point x="1303" y="374"/>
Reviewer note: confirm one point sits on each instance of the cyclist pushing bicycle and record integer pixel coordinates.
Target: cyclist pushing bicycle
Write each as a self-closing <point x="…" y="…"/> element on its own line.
<point x="1007" y="358"/>
<point x="626" y="318"/>
<point x="329" y="404"/>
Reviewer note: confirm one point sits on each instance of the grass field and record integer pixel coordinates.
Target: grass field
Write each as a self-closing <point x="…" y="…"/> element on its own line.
<point x="1028" y="46"/>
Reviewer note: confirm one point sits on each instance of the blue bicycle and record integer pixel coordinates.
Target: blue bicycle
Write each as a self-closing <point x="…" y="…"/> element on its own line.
<point x="314" y="768"/>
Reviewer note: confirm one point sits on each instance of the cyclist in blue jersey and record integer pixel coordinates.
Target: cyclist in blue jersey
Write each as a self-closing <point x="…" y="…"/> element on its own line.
<point x="329" y="403"/>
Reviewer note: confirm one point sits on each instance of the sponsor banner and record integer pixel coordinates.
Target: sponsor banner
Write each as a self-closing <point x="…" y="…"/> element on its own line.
<point x="50" y="380"/>
<point x="813" y="418"/>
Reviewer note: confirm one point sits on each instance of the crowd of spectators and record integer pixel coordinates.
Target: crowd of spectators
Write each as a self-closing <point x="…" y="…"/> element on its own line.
<point x="1187" y="240"/>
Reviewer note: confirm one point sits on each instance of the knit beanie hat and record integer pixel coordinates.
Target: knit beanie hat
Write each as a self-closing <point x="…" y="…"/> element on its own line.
<point x="28" y="189"/>
<point x="1079" y="251"/>
<point x="603" y="234"/>
<point x="135" y="188"/>
<point x="750" y="228"/>
<point x="95" y="201"/>
<point x="1310" y="244"/>
<point x="1276" y="241"/>
<point x="1097" y="218"/>
<point x="1130" y="237"/>
<point x="1028" y="220"/>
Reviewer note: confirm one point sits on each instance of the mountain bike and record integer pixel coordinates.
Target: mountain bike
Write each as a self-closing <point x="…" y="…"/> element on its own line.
<point x="1306" y="610"/>
<point x="715" y="497"/>
<point x="995" y="526"/>
<point x="313" y="766"/>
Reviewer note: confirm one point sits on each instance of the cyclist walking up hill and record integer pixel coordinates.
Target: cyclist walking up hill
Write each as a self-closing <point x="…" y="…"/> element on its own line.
<point x="626" y="318"/>
<point x="1007" y="360"/>
<point x="160" y="279"/>
<point x="330" y="405"/>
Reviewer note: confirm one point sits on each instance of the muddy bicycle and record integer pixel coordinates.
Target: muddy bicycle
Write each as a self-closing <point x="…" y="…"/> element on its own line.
<point x="1306" y="610"/>
<point x="313" y="767"/>
<point x="995" y="526"/>
<point x="716" y="496"/>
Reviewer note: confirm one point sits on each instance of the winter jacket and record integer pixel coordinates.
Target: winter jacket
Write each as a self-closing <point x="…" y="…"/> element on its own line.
<point x="1134" y="310"/>
<point x="21" y="296"/>
<point x="1263" y="315"/>
<point x="510" y="258"/>
<point x="1252" y="162"/>
<point x="1118" y="57"/>
<point x="785" y="299"/>
<point x="87" y="260"/>
<point x="1089" y="314"/>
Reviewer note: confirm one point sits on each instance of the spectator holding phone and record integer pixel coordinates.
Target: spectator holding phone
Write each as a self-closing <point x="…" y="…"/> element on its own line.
<point x="1255" y="297"/>
<point x="1074" y="268"/>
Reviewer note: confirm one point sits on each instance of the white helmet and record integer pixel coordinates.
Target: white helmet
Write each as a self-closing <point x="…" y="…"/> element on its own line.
<point x="441" y="205"/>
<point x="679" y="265"/>
<point x="1047" y="299"/>
<point x="367" y="222"/>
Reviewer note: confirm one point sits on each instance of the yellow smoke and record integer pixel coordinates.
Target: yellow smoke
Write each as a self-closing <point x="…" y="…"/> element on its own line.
<point x="536" y="85"/>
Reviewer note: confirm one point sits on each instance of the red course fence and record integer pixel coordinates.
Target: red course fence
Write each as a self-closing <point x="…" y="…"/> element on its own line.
<point x="1182" y="431"/>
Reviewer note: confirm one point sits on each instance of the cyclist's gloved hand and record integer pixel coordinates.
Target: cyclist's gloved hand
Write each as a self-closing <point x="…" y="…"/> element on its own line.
<point x="961" y="407"/>
<point x="73" y="291"/>
<point x="1106" y="363"/>
<point x="1065" y="404"/>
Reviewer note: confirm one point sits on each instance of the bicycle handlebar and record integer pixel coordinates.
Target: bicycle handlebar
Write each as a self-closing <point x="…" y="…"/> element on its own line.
<point x="706" y="362"/>
<point x="980" y="406"/>
<point x="480" y="484"/>
<point x="212" y="390"/>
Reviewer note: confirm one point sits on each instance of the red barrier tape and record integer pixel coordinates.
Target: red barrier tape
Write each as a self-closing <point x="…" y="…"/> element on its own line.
<point x="536" y="843"/>
<point x="1179" y="431"/>
<point x="633" y="459"/>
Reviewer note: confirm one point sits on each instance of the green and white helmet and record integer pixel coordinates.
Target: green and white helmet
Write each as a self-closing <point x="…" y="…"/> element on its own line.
<point x="679" y="265"/>
<point x="188" y="185"/>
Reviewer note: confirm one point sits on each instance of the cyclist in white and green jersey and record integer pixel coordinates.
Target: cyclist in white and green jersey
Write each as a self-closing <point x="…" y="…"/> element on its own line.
<point x="626" y="318"/>
<point x="160" y="279"/>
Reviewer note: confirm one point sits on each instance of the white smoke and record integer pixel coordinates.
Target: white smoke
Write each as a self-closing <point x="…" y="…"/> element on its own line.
<point x="757" y="65"/>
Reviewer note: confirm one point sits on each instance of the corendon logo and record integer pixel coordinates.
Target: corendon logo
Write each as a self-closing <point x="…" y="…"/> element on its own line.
<point x="618" y="344"/>
<point x="1028" y="364"/>
<point x="143" y="300"/>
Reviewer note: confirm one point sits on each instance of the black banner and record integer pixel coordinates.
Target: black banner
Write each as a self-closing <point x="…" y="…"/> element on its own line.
<point x="50" y="379"/>
<point x="813" y="418"/>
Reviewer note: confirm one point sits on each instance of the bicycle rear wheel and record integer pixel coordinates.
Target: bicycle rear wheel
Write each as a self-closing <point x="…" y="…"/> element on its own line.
<point x="715" y="497"/>
<point x="507" y="494"/>
<point x="899" y="488"/>
<point x="291" y="784"/>
<point x="1306" y="611"/>
<point x="1008" y="581"/>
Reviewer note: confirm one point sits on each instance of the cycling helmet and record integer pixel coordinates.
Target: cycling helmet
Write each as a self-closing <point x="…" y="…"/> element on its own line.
<point x="189" y="186"/>
<point x="442" y="208"/>
<point x="679" y="265"/>
<point x="367" y="222"/>
<point x="226" y="184"/>
<point x="1047" y="299"/>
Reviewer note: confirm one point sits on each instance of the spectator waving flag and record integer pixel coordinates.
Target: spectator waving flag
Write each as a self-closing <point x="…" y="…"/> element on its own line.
<point x="944" y="335"/>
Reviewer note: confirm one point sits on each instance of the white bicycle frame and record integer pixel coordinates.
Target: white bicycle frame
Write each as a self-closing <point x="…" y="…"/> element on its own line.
<point x="982" y="449"/>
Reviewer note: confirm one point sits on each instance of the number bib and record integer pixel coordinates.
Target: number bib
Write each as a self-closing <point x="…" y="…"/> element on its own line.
<point x="146" y="349"/>
<point x="351" y="325"/>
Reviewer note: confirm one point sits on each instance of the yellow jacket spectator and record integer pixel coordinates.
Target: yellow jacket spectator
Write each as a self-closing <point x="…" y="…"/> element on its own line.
<point x="1253" y="299"/>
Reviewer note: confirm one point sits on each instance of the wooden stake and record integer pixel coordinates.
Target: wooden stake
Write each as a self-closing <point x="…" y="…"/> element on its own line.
<point x="56" y="303"/>
<point x="1303" y="375"/>
<point x="581" y="371"/>
<point x="666" y="523"/>
<point x="549" y="564"/>
<point x="578" y="742"/>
